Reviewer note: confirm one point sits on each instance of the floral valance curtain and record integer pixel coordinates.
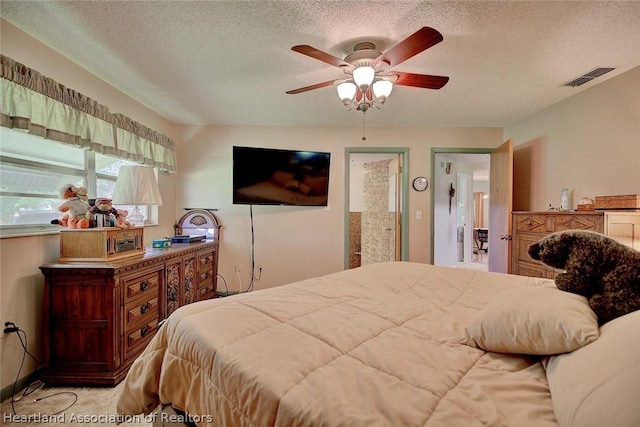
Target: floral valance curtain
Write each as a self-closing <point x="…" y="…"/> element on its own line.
<point x="44" y="107"/>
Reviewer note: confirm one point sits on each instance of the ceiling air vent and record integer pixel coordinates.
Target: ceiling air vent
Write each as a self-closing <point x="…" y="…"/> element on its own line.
<point x="587" y="77"/>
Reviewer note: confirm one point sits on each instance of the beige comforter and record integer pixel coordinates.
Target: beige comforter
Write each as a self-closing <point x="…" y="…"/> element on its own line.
<point x="374" y="346"/>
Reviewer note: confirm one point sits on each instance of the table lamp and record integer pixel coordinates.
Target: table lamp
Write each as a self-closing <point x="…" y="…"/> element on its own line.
<point x="136" y="185"/>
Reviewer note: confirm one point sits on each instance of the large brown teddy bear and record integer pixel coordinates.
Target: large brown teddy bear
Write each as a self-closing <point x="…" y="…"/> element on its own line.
<point x="603" y="270"/>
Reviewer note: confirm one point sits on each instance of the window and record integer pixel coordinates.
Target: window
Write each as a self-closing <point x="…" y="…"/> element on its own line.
<point x="34" y="169"/>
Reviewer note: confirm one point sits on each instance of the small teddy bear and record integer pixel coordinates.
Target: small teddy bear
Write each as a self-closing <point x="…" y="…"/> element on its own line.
<point x="102" y="213"/>
<point x="121" y="219"/>
<point x="75" y="207"/>
<point x="598" y="267"/>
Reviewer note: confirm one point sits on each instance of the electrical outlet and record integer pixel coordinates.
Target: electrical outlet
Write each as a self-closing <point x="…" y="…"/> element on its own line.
<point x="10" y="327"/>
<point x="237" y="267"/>
<point x="260" y="266"/>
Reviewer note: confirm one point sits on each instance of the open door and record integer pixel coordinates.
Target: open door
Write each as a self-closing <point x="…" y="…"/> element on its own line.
<point x="375" y="202"/>
<point x="501" y="194"/>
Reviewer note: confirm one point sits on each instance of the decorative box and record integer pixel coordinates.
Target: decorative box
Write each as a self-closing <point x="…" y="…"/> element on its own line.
<point x="187" y="239"/>
<point x="586" y="206"/>
<point x="618" y="202"/>
<point x="161" y="243"/>
<point x="100" y="244"/>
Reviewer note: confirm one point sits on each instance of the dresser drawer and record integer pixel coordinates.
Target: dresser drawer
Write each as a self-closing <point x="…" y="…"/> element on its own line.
<point x="531" y="270"/>
<point x="206" y="291"/>
<point x="521" y="245"/>
<point x="136" y="287"/>
<point x="531" y="223"/>
<point x="139" y="337"/>
<point x="205" y="262"/>
<point x="140" y="310"/>
<point x="206" y="276"/>
<point x="579" y="222"/>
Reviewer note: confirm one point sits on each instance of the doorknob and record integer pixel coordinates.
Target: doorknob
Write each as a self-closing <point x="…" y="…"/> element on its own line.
<point x="505" y="237"/>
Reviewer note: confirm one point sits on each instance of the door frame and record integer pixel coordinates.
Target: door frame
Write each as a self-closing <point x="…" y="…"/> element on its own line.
<point x="445" y="150"/>
<point x="404" y="195"/>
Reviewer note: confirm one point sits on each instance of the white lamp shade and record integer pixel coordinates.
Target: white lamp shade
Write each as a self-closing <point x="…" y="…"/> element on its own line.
<point x="346" y="91"/>
<point x="136" y="185"/>
<point x="382" y="88"/>
<point x="363" y="76"/>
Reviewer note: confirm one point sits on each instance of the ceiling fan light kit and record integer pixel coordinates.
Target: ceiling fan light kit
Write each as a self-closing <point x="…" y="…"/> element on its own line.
<point x="370" y="82"/>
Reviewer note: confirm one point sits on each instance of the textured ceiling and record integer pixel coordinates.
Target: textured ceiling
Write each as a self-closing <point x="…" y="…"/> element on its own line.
<point x="229" y="62"/>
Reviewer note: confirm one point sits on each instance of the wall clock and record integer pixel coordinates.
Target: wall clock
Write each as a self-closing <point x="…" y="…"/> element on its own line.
<point x="420" y="183"/>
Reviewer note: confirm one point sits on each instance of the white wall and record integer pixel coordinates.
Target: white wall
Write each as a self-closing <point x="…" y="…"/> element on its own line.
<point x="294" y="243"/>
<point x="589" y="143"/>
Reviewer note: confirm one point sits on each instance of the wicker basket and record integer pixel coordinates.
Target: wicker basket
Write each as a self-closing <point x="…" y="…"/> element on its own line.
<point x="618" y="202"/>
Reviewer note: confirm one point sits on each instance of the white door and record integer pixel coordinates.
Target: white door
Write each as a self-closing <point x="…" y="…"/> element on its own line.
<point x="501" y="193"/>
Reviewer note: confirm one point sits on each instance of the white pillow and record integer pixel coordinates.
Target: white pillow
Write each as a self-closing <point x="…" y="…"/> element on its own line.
<point x="599" y="385"/>
<point x="533" y="320"/>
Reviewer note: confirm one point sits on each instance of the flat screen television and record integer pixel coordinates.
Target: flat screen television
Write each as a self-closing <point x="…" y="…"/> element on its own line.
<point x="270" y="176"/>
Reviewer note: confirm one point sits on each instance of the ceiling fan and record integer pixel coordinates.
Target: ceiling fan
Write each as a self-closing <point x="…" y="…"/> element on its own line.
<point x="369" y="79"/>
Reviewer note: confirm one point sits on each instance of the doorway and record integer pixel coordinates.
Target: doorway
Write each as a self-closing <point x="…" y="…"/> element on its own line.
<point x="375" y="199"/>
<point x="460" y="207"/>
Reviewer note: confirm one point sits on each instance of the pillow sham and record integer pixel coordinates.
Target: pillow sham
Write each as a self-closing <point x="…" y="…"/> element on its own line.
<point x="533" y="320"/>
<point x="599" y="385"/>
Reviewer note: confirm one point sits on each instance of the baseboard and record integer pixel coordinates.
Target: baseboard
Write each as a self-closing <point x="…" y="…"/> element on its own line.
<point x="23" y="382"/>
<point x="221" y="294"/>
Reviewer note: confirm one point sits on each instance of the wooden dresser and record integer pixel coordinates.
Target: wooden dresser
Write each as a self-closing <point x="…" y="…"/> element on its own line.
<point x="529" y="227"/>
<point x="98" y="317"/>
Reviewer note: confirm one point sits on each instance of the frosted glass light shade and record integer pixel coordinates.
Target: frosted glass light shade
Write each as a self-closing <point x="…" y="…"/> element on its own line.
<point x="382" y="88"/>
<point x="136" y="185"/>
<point x="346" y="91"/>
<point x="363" y="76"/>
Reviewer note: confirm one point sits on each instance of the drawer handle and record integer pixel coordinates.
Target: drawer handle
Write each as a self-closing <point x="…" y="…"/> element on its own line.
<point x="144" y="285"/>
<point x="144" y="331"/>
<point x="144" y="308"/>
<point x="205" y="276"/>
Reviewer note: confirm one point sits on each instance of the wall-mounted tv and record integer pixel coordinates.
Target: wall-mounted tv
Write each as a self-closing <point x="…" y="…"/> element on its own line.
<point x="269" y="176"/>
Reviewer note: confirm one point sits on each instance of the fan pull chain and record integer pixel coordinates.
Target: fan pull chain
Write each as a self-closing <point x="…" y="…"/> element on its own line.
<point x="364" y="137"/>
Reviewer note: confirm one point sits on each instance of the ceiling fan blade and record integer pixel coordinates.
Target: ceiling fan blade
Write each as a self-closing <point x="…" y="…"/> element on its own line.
<point x="320" y="55"/>
<point x="420" y="80"/>
<point x="312" y="87"/>
<point x="421" y="40"/>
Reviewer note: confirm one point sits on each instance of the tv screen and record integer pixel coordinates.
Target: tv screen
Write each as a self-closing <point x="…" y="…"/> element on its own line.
<point x="269" y="176"/>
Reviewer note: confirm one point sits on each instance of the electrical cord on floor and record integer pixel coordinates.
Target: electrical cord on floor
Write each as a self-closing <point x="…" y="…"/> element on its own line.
<point x="11" y="327"/>
<point x="75" y="399"/>
<point x="226" y="287"/>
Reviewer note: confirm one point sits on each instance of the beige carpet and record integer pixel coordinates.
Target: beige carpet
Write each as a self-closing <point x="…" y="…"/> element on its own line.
<point x="94" y="406"/>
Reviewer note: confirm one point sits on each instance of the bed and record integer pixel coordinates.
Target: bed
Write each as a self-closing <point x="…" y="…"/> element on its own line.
<point x="393" y="344"/>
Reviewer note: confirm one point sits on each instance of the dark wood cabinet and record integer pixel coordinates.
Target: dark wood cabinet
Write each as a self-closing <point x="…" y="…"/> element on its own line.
<point x="99" y="316"/>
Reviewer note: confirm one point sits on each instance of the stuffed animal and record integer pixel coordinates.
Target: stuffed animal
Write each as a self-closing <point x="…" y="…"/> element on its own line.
<point x="121" y="219"/>
<point x="102" y="213"/>
<point x="603" y="270"/>
<point x="75" y="207"/>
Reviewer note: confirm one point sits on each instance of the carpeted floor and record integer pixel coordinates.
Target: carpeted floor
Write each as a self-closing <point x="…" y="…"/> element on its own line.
<point x="66" y="406"/>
